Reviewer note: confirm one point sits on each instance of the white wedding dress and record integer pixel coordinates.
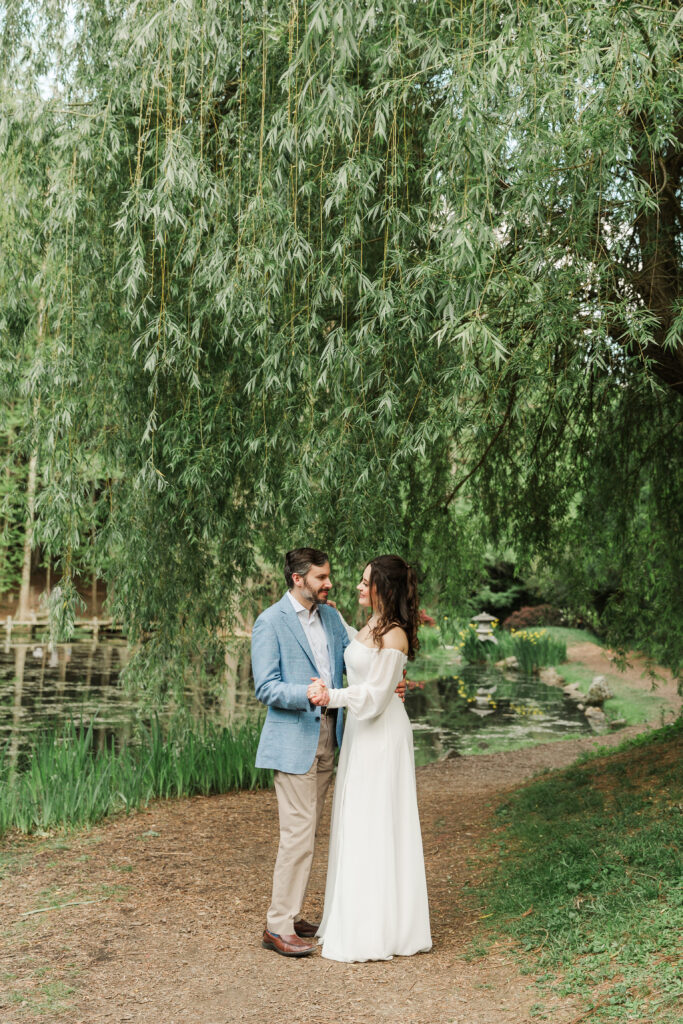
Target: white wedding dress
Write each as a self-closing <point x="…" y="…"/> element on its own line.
<point x="376" y="894"/>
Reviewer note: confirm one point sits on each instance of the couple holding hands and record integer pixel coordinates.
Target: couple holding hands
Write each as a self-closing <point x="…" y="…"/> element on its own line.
<point x="376" y="892"/>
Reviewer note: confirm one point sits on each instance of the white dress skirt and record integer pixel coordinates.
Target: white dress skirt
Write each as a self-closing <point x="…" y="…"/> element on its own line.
<point x="376" y="893"/>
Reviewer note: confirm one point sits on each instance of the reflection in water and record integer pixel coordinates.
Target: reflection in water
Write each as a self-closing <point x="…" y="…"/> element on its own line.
<point x="43" y="688"/>
<point x="19" y="663"/>
<point x="481" y="708"/>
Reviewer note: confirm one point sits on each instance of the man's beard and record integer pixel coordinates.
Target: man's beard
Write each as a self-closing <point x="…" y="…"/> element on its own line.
<point x="316" y="597"/>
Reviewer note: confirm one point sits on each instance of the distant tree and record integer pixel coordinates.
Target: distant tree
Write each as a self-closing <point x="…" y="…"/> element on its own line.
<point x="379" y="276"/>
<point x="50" y="469"/>
<point x="22" y="308"/>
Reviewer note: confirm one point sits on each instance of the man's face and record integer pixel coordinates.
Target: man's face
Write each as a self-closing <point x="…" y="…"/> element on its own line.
<point x="316" y="584"/>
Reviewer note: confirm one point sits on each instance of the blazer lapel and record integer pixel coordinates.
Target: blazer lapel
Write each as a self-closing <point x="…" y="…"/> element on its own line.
<point x="296" y="629"/>
<point x="331" y="646"/>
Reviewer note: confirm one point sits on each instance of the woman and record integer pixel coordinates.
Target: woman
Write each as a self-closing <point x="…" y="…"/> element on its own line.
<point x="376" y="894"/>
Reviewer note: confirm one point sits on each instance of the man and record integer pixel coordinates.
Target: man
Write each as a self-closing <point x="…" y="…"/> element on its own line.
<point x="295" y="640"/>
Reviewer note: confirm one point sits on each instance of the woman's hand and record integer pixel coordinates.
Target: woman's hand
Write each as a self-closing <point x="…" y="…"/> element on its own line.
<point x="318" y="693"/>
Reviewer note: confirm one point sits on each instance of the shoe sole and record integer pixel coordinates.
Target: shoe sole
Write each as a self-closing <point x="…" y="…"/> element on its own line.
<point x="280" y="952"/>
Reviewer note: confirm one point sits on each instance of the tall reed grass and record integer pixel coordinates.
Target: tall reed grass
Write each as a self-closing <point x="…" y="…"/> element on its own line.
<point x="66" y="781"/>
<point x="473" y="650"/>
<point x="533" y="648"/>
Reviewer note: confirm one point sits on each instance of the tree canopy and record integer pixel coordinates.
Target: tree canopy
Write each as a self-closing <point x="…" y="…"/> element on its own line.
<point x="370" y="276"/>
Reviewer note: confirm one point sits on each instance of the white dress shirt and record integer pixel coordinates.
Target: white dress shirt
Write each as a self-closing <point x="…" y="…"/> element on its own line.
<point x="316" y="636"/>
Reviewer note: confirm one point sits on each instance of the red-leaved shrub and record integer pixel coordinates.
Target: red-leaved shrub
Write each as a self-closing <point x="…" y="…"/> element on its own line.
<point x="534" y="615"/>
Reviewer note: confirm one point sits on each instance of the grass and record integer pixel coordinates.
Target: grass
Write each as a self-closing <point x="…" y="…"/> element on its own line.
<point x="573" y="636"/>
<point x="587" y="879"/>
<point x="632" y="704"/>
<point x="49" y="998"/>
<point x="65" y="781"/>
<point x="497" y="745"/>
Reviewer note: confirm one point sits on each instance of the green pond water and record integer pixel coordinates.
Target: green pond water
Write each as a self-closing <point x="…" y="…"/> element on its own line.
<point x="466" y="709"/>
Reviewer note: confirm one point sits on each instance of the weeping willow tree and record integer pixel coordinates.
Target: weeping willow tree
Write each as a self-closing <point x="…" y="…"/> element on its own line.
<point x="394" y="275"/>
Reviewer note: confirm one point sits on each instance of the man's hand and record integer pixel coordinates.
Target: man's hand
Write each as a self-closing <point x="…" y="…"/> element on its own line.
<point x="318" y="693"/>
<point x="401" y="688"/>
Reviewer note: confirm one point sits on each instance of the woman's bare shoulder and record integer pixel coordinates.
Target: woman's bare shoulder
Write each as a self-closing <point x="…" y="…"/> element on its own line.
<point x="396" y="639"/>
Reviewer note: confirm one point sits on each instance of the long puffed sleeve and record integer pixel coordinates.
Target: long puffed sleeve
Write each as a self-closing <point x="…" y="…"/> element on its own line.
<point x="371" y="697"/>
<point x="351" y="632"/>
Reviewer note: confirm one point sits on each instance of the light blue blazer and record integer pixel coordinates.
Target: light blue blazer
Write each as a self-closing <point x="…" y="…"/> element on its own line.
<point x="282" y="663"/>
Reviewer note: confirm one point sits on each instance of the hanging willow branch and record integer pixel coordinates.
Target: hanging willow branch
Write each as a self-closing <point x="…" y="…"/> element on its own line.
<point x="308" y="243"/>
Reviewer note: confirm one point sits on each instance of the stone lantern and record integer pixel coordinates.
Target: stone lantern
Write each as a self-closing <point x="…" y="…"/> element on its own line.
<point x="484" y="628"/>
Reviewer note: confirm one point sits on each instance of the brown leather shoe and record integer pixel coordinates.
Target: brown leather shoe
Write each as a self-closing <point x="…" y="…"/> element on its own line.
<point x="304" y="929"/>
<point x="286" y="945"/>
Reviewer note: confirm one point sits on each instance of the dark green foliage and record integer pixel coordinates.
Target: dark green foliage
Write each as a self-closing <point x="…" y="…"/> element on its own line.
<point x="399" y="276"/>
<point x="12" y="503"/>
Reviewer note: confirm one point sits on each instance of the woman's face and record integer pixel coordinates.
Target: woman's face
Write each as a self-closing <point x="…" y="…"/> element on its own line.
<point x="363" y="589"/>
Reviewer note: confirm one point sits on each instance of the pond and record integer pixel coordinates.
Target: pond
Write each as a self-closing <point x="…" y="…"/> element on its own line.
<point x="472" y="709"/>
<point x="482" y="710"/>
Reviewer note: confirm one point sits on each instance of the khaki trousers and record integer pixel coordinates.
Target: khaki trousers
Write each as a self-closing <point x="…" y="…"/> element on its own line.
<point x="300" y="800"/>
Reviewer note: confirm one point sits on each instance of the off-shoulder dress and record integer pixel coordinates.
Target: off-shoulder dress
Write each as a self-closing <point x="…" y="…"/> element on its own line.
<point x="376" y="893"/>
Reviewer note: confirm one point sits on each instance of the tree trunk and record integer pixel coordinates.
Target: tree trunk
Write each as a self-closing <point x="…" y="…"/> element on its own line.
<point x="25" y="591"/>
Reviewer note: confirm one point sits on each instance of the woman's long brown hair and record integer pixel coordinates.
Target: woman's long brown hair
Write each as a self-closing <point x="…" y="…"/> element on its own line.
<point x="393" y="585"/>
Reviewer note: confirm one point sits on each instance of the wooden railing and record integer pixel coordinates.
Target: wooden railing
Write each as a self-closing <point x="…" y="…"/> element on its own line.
<point x="34" y="623"/>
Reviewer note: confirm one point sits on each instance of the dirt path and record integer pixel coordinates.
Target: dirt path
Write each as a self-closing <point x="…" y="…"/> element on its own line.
<point x="180" y="893"/>
<point x="156" y="918"/>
